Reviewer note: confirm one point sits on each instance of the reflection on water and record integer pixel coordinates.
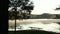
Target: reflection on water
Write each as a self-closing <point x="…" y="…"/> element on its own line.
<point x="39" y="25"/>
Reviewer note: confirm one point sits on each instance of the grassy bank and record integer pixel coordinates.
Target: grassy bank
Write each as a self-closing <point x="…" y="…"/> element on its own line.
<point x="32" y="32"/>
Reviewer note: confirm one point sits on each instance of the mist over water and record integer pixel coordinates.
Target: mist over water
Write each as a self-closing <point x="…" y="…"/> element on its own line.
<point x="39" y="24"/>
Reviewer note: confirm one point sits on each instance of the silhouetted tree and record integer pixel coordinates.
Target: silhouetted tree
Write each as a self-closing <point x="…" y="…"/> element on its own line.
<point x="25" y="7"/>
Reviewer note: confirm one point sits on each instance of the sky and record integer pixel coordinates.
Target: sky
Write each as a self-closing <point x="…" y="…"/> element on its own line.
<point x="45" y="6"/>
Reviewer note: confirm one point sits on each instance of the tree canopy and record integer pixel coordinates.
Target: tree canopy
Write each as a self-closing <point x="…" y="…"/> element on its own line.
<point x="25" y="7"/>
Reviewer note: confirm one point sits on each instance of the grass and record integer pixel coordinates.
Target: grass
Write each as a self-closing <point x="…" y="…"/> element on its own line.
<point x="31" y="32"/>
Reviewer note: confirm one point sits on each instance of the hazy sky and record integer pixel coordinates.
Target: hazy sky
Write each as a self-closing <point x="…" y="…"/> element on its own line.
<point x="45" y="6"/>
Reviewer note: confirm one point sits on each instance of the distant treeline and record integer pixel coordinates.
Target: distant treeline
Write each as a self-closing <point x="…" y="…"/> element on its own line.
<point x="46" y="16"/>
<point x="42" y="16"/>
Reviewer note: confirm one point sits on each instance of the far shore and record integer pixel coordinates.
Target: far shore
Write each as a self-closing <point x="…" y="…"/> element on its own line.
<point x="27" y="21"/>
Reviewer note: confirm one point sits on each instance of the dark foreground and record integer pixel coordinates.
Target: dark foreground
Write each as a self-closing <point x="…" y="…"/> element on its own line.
<point x="31" y="32"/>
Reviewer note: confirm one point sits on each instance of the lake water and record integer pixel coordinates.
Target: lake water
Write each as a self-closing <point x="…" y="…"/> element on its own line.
<point x="39" y="24"/>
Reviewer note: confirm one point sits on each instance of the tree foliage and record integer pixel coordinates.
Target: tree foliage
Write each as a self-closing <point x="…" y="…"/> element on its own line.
<point x="25" y="7"/>
<point x="58" y="16"/>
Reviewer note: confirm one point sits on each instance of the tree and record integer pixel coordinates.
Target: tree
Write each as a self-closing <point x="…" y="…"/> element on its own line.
<point x="25" y="7"/>
<point x="58" y="16"/>
<point x="57" y="8"/>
